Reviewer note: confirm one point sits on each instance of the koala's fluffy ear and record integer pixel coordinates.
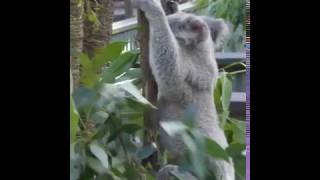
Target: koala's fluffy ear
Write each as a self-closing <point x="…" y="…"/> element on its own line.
<point x="218" y="28"/>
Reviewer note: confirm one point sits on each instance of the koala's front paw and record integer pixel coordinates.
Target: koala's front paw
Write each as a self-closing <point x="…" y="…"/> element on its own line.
<point x="152" y="8"/>
<point x="144" y="5"/>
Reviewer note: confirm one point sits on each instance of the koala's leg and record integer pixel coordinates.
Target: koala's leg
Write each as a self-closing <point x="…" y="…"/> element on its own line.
<point x="222" y="169"/>
<point x="164" y="48"/>
<point x="166" y="172"/>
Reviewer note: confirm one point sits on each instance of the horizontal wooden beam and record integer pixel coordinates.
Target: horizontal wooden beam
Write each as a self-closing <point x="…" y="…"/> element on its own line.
<point x="238" y="97"/>
<point x="124" y="25"/>
<point x="224" y="58"/>
<point x="238" y="105"/>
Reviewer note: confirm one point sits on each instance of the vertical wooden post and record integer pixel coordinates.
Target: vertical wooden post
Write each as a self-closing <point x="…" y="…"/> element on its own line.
<point x="150" y="90"/>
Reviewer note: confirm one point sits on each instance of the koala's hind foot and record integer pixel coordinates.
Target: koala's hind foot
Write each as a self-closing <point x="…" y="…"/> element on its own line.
<point x="166" y="172"/>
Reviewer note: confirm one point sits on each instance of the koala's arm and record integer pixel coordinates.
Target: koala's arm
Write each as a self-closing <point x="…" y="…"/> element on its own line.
<point x="164" y="49"/>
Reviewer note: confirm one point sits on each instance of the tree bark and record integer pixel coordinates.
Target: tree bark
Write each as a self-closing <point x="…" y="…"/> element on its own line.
<point x="76" y="37"/>
<point x="71" y="82"/>
<point x="96" y="36"/>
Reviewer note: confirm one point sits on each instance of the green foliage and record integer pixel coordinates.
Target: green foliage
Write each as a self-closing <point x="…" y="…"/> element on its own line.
<point x="91" y="8"/>
<point x="74" y="118"/>
<point x="120" y="63"/>
<point x="200" y="147"/>
<point x="234" y="128"/>
<point x="236" y="150"/>
<point x="146" y="151"/>
<point x="106" y="123"/>
<point x="232" y="11"/>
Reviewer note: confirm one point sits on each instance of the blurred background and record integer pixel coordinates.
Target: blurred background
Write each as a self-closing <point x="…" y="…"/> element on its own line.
<point x="231" y="10"/>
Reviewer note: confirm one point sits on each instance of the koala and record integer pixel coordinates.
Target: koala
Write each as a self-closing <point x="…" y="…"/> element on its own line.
<point x="183" y="63"/>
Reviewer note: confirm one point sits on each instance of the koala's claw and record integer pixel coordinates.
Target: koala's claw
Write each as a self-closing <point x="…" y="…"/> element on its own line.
<point x="152" y="8"/>
<point x="142" y="3"/>
<point x="147" y="5"/>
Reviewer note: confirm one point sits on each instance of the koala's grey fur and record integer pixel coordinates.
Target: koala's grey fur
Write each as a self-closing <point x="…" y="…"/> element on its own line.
<point x="183" y="64"/>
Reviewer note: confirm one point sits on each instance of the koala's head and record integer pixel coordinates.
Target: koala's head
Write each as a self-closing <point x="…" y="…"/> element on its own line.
<point x="190" y="29"/>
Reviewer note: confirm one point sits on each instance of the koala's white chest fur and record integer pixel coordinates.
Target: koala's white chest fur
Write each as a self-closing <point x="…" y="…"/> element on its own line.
<point x="194" y="88"/>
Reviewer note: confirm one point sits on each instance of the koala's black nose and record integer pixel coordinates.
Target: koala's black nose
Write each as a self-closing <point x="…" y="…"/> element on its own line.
<point x="172" y="7"/>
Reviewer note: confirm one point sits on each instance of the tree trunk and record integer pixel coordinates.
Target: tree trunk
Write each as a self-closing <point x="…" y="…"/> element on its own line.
<point x="150" y="90"/>
<point x="71" y="82"/>
<point x="97" y="35"/>
<point x="76" y="37"/>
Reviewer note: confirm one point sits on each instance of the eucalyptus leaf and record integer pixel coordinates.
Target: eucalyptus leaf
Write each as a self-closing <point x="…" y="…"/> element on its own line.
<point x="110" y="92"/>
<point x="218" y="96"/>
<point x="150" y="177"/>
<point x="88" y="75"/>
<point x="107" y="54"/>
<point x="100" y="153"/>
<point x="235" y="150"/>
<point x="239" y="130"/>
<point x="117" y="172"/>
<point x="226" y="90"/>
<point x="239" y="123"/>
<point x="114" y="135"/>
<point x="239" y="136"/>
<point x="240" y="167"/>
<point x="145" y="151"/>
<point x="100" y="117"/>
<point x="183" y="175"/>
<point x="130" y="88"/>
<point x="173" y="127"/>
<point x="215" y="150"/>
<point x="130" y="128"/>
<point x="74" y="118"/>
<point x="100" y="133"/>
<point x="87" y="173"/>
<point x="197" y="156"/>
<point x="132" y="173"/>
<point x="92" y="16"/>
<point x="223" y="116"/>
<point x="104" y="177"/>
<point x="84" y="61"/>
<point x="96" y="165"/>
<point x="134" y="73"/>
<point x="75" y="164"/>
<point x="84" y="98"/>
<point x="119" y="66"/>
